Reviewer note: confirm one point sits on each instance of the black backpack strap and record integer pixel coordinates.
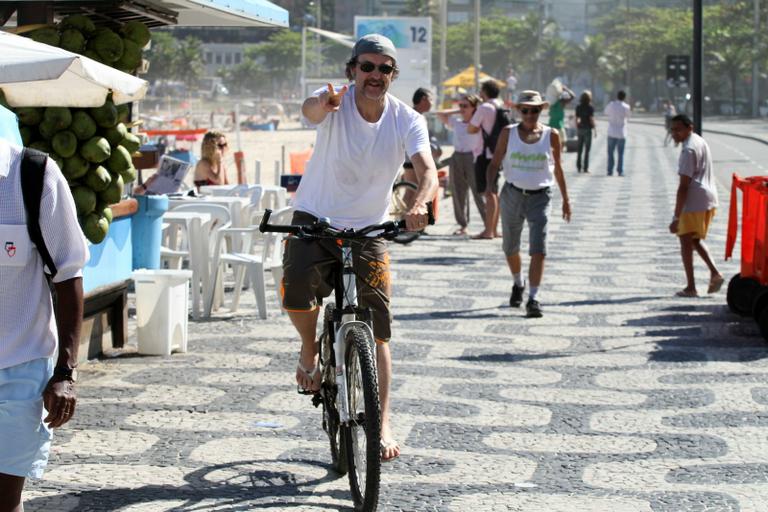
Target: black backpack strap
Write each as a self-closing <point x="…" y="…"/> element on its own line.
<point x="32" y="179"/>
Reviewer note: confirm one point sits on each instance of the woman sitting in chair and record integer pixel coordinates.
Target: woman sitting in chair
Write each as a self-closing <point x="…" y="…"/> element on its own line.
<point x="211" y="168"/>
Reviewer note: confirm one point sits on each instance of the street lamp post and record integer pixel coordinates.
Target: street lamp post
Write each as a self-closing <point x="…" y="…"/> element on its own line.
<point x="697" y="65"/>
<point x="477" y="45"/>
<point x="755" y="70"/>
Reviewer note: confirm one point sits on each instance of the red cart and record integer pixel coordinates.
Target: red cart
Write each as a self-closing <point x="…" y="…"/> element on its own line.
<point x="748" y="290"/>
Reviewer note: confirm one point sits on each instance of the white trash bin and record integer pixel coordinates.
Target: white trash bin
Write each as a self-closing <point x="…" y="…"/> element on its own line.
<point x="162" y="304"/>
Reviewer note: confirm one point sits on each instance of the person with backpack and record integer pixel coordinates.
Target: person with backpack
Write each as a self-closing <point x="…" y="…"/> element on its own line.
<point x="489" y="120"/>
<point x="530" y="153"/>
<point x="42" y="241"/>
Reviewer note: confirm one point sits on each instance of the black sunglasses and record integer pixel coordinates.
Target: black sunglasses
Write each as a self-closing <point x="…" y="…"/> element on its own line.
<point x="530" y="110"/>
<point x="222" y="145"/>
<point x="384" y="69"/>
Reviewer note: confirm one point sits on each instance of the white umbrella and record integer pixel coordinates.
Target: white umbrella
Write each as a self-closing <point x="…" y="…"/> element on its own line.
<point x="33" y="74"/>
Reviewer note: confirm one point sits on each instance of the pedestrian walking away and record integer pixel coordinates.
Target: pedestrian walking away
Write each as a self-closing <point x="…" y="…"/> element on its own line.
<point x="557" y="113"/>
<point x="618" y="113"/>
<point x="695" y="203"/>
<point x="363" y="136"/>
<point x="669" y="113"/>
<point x="466" y="145"/>
<point x="489" y="119"/>
<point x="586" y="129"/>
<point x="530" y="154"/>
<point x="43" y="241"/>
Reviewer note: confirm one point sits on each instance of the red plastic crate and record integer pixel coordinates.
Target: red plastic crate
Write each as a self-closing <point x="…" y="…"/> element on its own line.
<point x="754" y="226"/>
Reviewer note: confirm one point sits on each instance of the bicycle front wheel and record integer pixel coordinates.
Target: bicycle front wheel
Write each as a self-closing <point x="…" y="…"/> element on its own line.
<point x="403" y="193"/>
<point x="363" y="434"/>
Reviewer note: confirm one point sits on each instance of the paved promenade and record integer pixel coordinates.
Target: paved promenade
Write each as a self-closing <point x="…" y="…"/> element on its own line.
<point x="621" y="398"/>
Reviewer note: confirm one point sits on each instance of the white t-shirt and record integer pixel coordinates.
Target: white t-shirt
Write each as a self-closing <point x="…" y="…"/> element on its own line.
<point x="484" y="118"/>
<point x="350" y="175"/>
<point x="696" y="163"/>
<point x="618" y="114"/>
<point x="463" y="141"/>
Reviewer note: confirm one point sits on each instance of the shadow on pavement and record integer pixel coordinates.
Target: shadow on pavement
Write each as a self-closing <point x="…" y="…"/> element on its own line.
<point x="438" y="260"/>
<point x="239" y="488"/>
<point x="599" y="302"/>
<point x="457" y="314"/>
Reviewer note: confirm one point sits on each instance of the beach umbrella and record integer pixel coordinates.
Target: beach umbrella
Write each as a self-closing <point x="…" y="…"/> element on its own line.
<point x="34" y="74"/>
<point x="466" y="79"/>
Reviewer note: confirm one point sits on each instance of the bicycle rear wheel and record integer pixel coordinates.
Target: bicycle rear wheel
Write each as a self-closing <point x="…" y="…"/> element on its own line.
<point x="402" y="195"/>
<point x="363" y="435"/>
<point x="329" y="388"/>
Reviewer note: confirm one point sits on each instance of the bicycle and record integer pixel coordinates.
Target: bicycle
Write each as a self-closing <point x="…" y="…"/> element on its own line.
<point x="349" y="392"/>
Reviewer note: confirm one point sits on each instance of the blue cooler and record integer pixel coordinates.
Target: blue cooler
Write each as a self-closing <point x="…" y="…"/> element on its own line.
<point x="148" y="231"/>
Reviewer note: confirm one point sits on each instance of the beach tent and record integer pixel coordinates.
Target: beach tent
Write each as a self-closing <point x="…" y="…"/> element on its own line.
<point x="466" y="79"/>
<point x="33" y="74"/>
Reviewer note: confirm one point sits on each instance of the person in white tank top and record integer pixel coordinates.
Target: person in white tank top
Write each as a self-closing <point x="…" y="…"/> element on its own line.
<point x="530" y="154"/>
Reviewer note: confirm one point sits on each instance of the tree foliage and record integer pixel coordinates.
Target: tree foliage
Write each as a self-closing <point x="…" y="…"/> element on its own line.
<point x="174" y="59"/>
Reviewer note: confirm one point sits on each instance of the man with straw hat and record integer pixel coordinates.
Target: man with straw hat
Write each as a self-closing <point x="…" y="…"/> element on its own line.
<point x="530" y="154"/>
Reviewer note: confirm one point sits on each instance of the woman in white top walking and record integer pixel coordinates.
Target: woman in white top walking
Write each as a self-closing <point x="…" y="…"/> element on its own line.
<point x="466" y="147"/>
<point x="531" y="155"/>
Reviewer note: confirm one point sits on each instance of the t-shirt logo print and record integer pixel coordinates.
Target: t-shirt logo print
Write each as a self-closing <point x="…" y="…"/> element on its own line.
<point x="10" y="249"/>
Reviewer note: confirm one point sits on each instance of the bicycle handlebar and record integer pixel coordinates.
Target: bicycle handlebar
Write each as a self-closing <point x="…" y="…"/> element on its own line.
<point x="322" y="228"/>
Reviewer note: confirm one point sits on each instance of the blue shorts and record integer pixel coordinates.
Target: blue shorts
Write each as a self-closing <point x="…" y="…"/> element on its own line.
<point x="26" y="439"/>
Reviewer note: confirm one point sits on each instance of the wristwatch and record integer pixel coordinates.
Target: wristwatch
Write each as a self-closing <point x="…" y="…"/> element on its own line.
<point x="65" y="372"/>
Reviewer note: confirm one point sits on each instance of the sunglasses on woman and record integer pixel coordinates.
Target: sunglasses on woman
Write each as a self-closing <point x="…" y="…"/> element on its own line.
<point x="384" y="69"/>
<point x="526" y="111"/>
<point x="222" y="145"/>
<point x="463" y="105"/>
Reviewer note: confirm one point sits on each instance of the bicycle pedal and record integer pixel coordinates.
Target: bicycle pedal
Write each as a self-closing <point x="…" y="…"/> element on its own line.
<point x="317" y="399"/>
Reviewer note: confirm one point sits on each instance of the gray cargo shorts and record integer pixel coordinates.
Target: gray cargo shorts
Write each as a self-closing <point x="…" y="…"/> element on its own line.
<point x="516" y="209"/>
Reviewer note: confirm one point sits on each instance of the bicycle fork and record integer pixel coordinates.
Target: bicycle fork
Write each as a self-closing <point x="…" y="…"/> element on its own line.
<point x="348" y="291"/>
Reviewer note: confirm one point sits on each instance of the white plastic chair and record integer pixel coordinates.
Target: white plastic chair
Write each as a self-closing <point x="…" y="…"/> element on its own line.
<point x="201" y="248"/>
<point x="254" y="264"/>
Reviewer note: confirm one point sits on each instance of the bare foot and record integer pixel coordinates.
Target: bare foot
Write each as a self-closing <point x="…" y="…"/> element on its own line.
<point x="460" y="232"/>
<point x="482" y="236"/>
<point x="687" y="292"/>
<point x="715" y="283"/>
<point x="390" y="449"/>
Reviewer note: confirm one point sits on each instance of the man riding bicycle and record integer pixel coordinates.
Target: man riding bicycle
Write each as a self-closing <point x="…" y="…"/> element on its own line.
<point x="363" y="136"/>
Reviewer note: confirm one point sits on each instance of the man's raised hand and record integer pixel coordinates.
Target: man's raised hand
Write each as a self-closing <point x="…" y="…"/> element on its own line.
<point x="331" y="100"/>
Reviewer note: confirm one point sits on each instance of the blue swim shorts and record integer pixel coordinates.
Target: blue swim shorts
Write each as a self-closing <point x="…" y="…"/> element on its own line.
<point x="26" y="439"/>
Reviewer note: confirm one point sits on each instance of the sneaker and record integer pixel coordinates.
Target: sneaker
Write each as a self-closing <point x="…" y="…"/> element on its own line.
<point x="533" y="309"/>
<point x="517" y="296"/>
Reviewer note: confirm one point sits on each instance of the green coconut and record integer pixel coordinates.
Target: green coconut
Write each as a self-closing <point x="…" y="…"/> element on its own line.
<point x="45" y="35"/>
<point x="60" y="117"/>
<point x="72" y="40"/>
<point x="47" y="130"/>
<point x="78" y="22"/>
<point x="113" y="192"/>
<point x="105" y="115"/>
<point x="115" y="134"/>
<point x="75" y="167"/>
<point x="85" y="199"/>
<point x="28" y="134"/>
<point x="98" y="179"/>
<point x="64" y="143"/>
<point x="131" y="57"/>
<point x="107" y="44"/>
<point x="95" y="228"/>
<point x="29" y="116"/>
<point x="129" y="175"/>
<point x="119" y="160"/>
<point x="96" y="150"/>
<point x="137" y="32"/>
<point x="131" y="142"/>
<point x="83" y="125"/>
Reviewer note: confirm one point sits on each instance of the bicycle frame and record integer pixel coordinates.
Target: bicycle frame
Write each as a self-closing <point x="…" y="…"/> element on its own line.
<point x="346" y="302"/>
